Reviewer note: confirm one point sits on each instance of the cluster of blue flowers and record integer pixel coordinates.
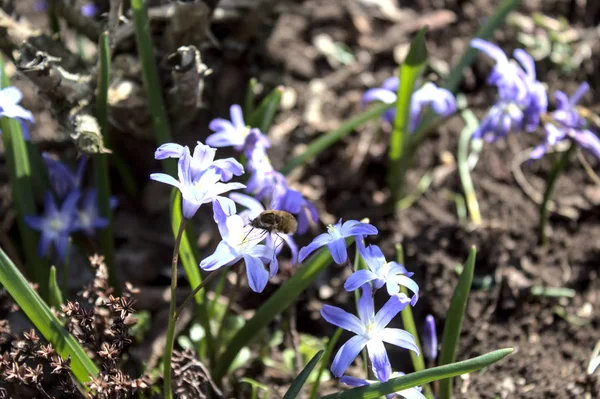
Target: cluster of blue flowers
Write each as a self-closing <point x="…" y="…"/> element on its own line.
<point x="202" y="179"/>
<point x="370" y="327"/>
<point x="441" y="101"/>
<point x="76" y="209"/>
<point x="522" y="104"/>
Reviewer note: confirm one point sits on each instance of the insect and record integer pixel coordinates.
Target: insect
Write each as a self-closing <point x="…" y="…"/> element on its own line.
<point x="275" y="221"/>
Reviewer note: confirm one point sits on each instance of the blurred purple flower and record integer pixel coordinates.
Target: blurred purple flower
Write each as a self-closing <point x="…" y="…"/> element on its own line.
<point x="235" y="132"/>
<point x="240" y="241"/>
<point x="440" y="100"/>
<point x="568" y="124"/>
<point x="522" y="99"/>
<point x="200" y="178"/>
<point x="88" y="215"/>
<point x="335" y="239"/>
<point x="62" y="179"/>
<point x="410" y="393"/>
<point x="57" y="224"/>
<point x="89" y="10"/>
<point x="304" y="210"/>
<point x="381" y="272"/>
<point x="430" y="342"/>
<point x="371" y="331"/>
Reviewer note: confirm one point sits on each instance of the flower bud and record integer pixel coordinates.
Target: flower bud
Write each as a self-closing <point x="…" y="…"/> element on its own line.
<point x="430" y="344"/>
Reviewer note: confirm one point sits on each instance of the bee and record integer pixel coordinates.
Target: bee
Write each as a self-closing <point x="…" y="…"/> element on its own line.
<point x="275" y="221"/>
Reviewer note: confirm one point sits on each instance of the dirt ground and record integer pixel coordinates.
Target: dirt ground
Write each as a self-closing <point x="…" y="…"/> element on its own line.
<point x="552" y="337"/>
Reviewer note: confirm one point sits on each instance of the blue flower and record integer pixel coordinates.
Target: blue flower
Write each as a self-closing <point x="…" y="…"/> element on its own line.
<point x="9" y="104"/>
<point x="430" y="343"/>
<point x="568" y="124"/>
<point x="371" y="331"/>
<point x="522" y="99"/>
<point x="235" y="132"/>
<point x="88" y="216"/>
<point x="441" y="100"/>
<point x="56" y="225"/>
<point x="275" y="241"/>
<point x="335" y="239"/>
<point x="240" y="241"/>
<point x="62" y="179"/>
<point x="381" y="272"/>
<point x="202" y="159"/>
<point x="410" y="393"/>
<point x="200" y="178"/>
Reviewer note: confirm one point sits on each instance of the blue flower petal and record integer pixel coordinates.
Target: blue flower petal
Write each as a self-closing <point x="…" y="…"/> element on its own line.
<point x="338" y="250"/>
<point x="346" y="355"/>
<point x="400" y="338"/>
<point x="342" y="319"/>
<point x="256" y="273"/>
<point x="392" y="307"/>
<point x="380" y="362"/>
<point x="318" y="242"/>
<point x="358" y="279"/>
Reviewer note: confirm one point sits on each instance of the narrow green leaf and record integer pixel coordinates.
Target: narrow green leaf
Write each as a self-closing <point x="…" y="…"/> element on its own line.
<point x="463" y="165"/>
<point x="101" y="163"/>
<point x="21" y="181"/>
<point x="248" y="109"/>
<point x="456" y="313"/>
<point x="408" y="321"/>
<point x="325" y="361"/>
<point x="263" y="116"/>
<point x="299" y="381"/>
<point x="278" y="302"/>
<point x="151" y="81"/>
<point x="44" y="320"/>
<point x="379" y="389"/>
<point x="328" y="139"/>
<point x="56" y="298"/>
<point x="410" y="72"/>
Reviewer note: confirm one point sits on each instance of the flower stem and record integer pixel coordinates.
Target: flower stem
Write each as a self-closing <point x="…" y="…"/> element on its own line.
<point x="204" y="282"/>
<point x="167" y="392"/>
<point x="557" y="168"/>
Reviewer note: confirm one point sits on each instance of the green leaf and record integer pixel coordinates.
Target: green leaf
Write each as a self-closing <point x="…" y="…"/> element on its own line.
<point x="463" y="165"/>
<point x="278" y="302"/>
<point x="408" y="321"/>
<point x="21" y="181"/>
<point x="379" y="389"/>
<point x="328" y="139"/>
<point x="55" y="299"/>
<point x="263" y="116"/>
<point x="101" y="168"/>
<point x="151" y="81"/>
<point x="249" y="99"/>
<point x="410" y="71"/>
<point x="325" y="361"/>
<point x="44" y="320"/>
<point x="299" y="381"/>
<point x="456" y="313"/>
